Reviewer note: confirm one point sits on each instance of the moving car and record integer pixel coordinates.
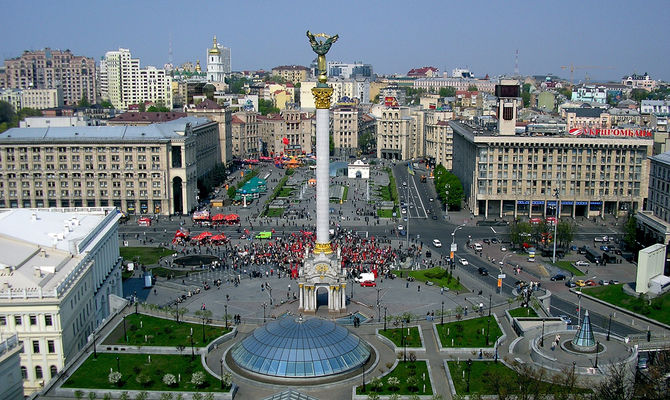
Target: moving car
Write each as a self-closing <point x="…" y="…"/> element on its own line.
<point x="437" y="243"/>
<point x="566" y="319"/>
<point x="463" y="261"/>
<point x="264" y="235"/>
<point x="400" y="227"/>
<point x="483" y="271"/>
<point x="558" y="277"/>
<point x="368" y="283"/>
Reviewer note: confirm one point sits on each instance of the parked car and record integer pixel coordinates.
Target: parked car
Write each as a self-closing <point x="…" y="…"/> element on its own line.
<point x="434" y="216"/>
<point x="614" y="282"/>
<point x="483" y="271"/>
<point x="558" y="277"/>
<point x="487" y="241"/>
<point x="431" y="199"/>
<point x="570" y="284"/>
<point x="603" y="282"/>
<point x="463" y="261"/>
<point x="503" y="248"/>
<point x="494" y="240"/>
<point x="437" y="243"/>
<point x="581" y="263"/>
<point x="590" y="282"/>
<point x="604" y="248"/>
<point x="580" y="283"/>
<point x="369" y="284"/>
<point x="428" y="254"/>
<point x="400" y="227"/>
<point x="429" y="283"/>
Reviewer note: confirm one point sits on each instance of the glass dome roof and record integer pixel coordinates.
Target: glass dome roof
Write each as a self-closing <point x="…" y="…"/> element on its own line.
<point x="295" y="348"/>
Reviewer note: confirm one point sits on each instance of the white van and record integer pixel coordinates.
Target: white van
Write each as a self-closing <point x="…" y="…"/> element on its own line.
<point x="478" y="247"/>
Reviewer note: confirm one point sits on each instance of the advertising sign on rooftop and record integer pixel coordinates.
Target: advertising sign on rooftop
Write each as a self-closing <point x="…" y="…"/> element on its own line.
<point x="611" y="132"/>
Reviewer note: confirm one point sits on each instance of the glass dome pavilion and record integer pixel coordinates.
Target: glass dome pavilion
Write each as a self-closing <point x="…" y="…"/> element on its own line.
<point x="293" y="347"/>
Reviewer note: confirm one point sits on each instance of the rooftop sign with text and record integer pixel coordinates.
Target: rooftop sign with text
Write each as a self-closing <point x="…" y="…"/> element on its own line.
<point x="611" y="132"/>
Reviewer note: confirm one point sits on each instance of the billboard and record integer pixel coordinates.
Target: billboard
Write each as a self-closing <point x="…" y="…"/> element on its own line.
<point x="611" y="132"/>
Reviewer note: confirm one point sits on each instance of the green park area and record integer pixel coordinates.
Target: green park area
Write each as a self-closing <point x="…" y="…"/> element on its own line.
<point x="147" y="330"/>
<point x="439" y="276"/>
<point x="567" y="266"/>
<point x="469" y="333"/>
<point x="489" y="378"/>
<point x="145" y="255"/>
<point x="144" y="372"/>
<point x="384" y="213"/>
<point x="274" y="212"/>
<point x="407" y="378"/>
<point x="522" y="312"/>
<point x="652" y="308"/>
<point x="412" y="338"/>
<point x="165" y="272"/>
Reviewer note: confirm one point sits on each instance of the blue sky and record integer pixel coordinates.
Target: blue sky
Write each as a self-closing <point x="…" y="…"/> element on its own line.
<point x="394" y="36"/>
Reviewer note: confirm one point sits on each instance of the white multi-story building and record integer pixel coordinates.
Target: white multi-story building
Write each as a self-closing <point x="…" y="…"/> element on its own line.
<point x="218" y="62"/>
<point x="40" y="99"/>
<point x="60" y="276"/>
<point x="353" y="70"/>
<point x="11" y="96"/>
<point x="123" y="83"/>
<point x="354" y="89"/>
<point x="657" y="107"/>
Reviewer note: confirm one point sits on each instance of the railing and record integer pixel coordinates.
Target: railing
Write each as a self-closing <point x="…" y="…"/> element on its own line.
<point x="9" y="344"/>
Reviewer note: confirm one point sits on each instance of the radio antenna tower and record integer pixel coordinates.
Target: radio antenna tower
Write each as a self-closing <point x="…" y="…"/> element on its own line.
<point x="516" y="63"/>
<point x="170" y="50"/>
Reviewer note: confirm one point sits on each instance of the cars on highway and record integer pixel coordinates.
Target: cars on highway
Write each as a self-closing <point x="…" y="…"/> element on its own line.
<point x="400" y="227"/>
<point x="503" y="248"/>
<point x="483" y="271"/>
<point x="565" y="319"/>
<point x="403" y="211"/>
<point x="558" y="277"/>
<point x="463" y="261"/>
<point x="603" y="282"/>
<point x="437" y="243"/>
<point x="581" y="263"/>
<point x="368" y="283"/>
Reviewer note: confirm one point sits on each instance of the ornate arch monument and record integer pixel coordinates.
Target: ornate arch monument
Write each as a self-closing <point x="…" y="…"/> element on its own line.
<point x="322" y="268"/>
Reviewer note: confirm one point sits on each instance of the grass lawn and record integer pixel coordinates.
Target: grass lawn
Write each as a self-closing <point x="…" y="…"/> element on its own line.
<point x="487" y="376"/>
<point x="567" y="266"/>
<point x="345" y="193"/>
<point x="406" y="375"/>
<point x="147" y="255"/>
<point x="614" y="294"/>
<point x="285" y="192"/>
<point x="164" y="272"/>
<point x="523" y="312"/>
<point x="94" y="372"/>
<point x="274" y="212"/>
<point x="439" y="276"/>
<point x="411" y="340"/>
<point x="468" y="333"/>
<point x="385" y="213"/>
<point x="385" y="193"/>
<point x="162" y="332"/>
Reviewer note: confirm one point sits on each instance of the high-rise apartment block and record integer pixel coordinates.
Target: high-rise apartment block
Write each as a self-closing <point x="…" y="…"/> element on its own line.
<point x="123" y="83"/>
<point x="52" y="69"/>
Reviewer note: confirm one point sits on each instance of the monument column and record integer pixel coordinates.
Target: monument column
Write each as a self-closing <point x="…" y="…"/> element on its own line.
<point x="322" y="97"/>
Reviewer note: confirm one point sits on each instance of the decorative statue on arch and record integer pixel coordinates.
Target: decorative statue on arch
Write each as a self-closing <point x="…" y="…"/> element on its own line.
<point x="321" y="48"/>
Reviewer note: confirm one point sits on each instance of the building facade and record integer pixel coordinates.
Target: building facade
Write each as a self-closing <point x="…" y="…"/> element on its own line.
<point x="60" y="270"/>
<point x="349" y="70"/>
<point x="654" y="222"/>
<point x="636" y="81"/>
<point x="435" y="84"/>
<point x="246" y="139"/>
<point x="519" y="175"/>
<point x="345" y="130"/>
<point x="10" y="368"/>
<point x="291" y="73"/>
<point x="123" y="83"/>
<point x="52" y="69"/>
<point x="139" y="169"/>
<point x="296" y="127"/>
<point x="40" y="99"/>
<point x="347" y="90"/>
<point x="218" y="62"/>
<point x="223" y="116"/>
<point x="395" y="129"/>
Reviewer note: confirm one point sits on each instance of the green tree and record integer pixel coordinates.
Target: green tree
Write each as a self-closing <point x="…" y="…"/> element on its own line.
<point x="106" y="104"/>
<point x="472" y="88"/>
<point x="275" y="79"/>
<point x="152" y="109"/>
<point x="445" y="182"/>
<point x="266" y="107"/>
<point x="630" y="233"/>
<point x="366" y="141"/>
<point x="232" y="190"/>
<point x="142" y="107"/>
<point x="448" y="91"/>
<point x="236" y="84"/>
<point x="83" y="102"/>
<point x="567" y="92"/>
<point x="639" y="95"/>
<point x="376" y="99"/>
<point x="518" y="232"/>
<point x="565" y="232"/>
<point x="525" y="94"/>
<point x="331" y="145"/>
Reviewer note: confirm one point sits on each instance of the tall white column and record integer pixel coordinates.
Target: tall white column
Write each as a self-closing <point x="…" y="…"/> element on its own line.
<point x="322" y="175"/>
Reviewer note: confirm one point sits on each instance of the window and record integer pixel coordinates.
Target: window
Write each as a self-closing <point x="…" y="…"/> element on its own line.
<point x="33" y="320"/>
<point x="51" y="346"/>
<point x="47" y="320"/>
<point x="36" y="346"/>
<point x="38" y="372"/>
<point x="3" y="320"/>
<point x="17" y="320"/>
<point x="24" y="372"/>
<point x="53" y="370"/>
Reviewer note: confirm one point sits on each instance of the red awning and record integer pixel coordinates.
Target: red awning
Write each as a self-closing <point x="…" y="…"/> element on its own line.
<point x="218" y="217"/>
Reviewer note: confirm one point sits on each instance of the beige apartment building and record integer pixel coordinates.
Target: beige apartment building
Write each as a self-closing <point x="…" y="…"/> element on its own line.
<point x="345" y="130"/>
<point x="395" y="132"/>
<point x="223" y="116"/>
<point x="149" y="169"/>
<point x="297" y="127"/>
<point x="291" y="73"/>
<point x="40" y="99"/>
<point x="439" y="137"/>
<point x="246" y="139"/>
<point x="60" y="278"/>
<point x="52" y="69"/>
<point x="519" y="175"/>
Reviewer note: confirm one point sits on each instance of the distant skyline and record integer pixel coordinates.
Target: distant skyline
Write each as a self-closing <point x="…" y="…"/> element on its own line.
<point x="618" y="37"/>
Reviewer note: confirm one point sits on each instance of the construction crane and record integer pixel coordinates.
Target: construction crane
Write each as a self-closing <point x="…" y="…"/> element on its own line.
<point x="572" y="69"/>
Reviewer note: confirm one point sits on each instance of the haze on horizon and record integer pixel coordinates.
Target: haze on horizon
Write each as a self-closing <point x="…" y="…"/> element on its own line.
<point x="394" y="36"/>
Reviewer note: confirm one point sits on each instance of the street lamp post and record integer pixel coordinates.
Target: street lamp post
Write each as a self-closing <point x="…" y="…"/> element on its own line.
<point x="609" y="328"/>
<point x="579" y="308"/>
<point x="384" y="318"/>
<point x="192" y="349"/>
<point x="136" y="304"/>
<point x="118" y="364"/>
<point x="402" y="340"/>
<point x="225" y="306"/>
<point x="453" y="241"/>
<point x="379" y="307"/>
<point x="490" y="300"/>
<point x="442" y="313"/>
<point x="597" y="351"/>
<point x="264" y="306"/>
<point x="557" y="193"/>
<point x="125" y="335"/>
<point x="467" y="388"/>
<point x="542" y="337"/>
<point x="95" y="351"/>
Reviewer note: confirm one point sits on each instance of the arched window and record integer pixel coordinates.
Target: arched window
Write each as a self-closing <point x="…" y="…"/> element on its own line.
<point x="24" y="372"/>
<point x="38" y="372"/>
<point x="54" y="370"/>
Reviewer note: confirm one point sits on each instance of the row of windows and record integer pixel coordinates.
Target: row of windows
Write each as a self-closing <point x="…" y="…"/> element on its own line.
<point x="76" y="149"/>
<point x="53" y="370"/>
<point x="18" y="320"/>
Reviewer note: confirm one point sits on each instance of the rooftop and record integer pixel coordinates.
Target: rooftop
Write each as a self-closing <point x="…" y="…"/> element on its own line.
<point x="96" y="134"/>
<point x="149" y="117"/>
<point x="41" y="249"/>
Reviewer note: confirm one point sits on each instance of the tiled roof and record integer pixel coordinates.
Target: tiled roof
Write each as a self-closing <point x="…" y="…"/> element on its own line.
<point x="149" y="117"/>
<point x="237" y="120"/>
<point x="208" y="104"/>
